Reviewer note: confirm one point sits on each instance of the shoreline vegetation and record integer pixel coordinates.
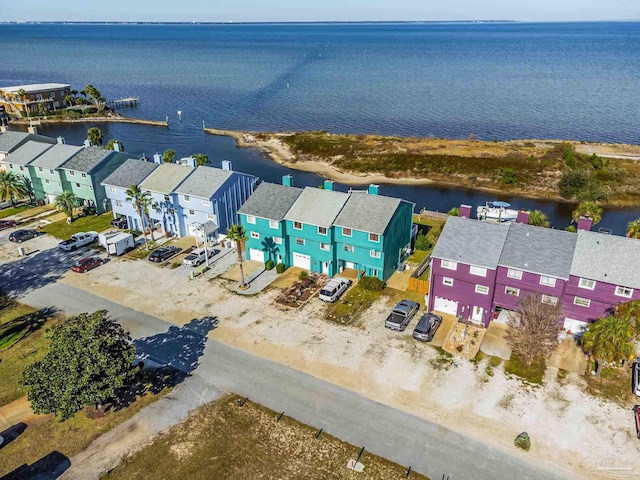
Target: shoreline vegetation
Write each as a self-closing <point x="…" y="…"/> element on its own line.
<point x="558" y="170"/>
<point x="101" y="117"/>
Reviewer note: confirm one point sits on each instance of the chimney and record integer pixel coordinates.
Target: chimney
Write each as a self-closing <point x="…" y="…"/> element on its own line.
<point x="287" y="180"/>
<point x="157" y="158"/>
<point x="86" y="143"/>
<point x="374" y="189"/>
<point x="226" y="165"/>
<point x="465" y="211"/>
<point x="33" y="130"/>
<point x="328" y="185"/>
<point x="188" y="161"/>
<point x="61" y="140"/>
<point x="585" y="223"/>
<point x="523" y="217"/>
<point x="117" y="147"/>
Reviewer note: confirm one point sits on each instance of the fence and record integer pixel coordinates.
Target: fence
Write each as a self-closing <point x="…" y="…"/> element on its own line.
<point x="416" y="284"/>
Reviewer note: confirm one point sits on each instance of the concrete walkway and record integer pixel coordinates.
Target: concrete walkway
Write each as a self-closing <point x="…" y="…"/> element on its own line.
<point x="257" y="282"/>
<point x="19" y="411"/>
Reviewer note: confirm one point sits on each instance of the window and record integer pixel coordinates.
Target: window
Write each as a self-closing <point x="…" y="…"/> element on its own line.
<point x="346" y="232"/>
<point x="512" y="291"/>
<point x="513" y="273"/>
<point x="71" y="173"/>
<point x="324" y="246"/>
<point x="482" y="289"/>
<point x="187" y="198"/>
<point x="583" y="302"/>
<point x="47" y="182"/>
<point x="300" y="241"/>
<point x="21" y="168"/>
<point x="210" y="216"/>
<point x="192" y="212"/>
<point x="624" y="292"/>
<point x="118" y="203"/>
<point x="112" y="189"/>
<point x="77" y="185"/>
<point x="255" y="235"/>
<point x="447" y="281"/>
<point x="588" y="284"/>
<point x="348" y="248"/>
<point x="374" y="237"/>
<point x="251" y="219"/>
<point x="375" y="253"/>
<point x="297" y="225"/>
<point x="322" y="231"/>
<point x="548" y="281"/>
<point x="52" y="172"/>
<point x="205" y="203"/>
<point x="479" y="271"/>
<point x="273" y="224"/>
<point x="549" y="300"/>
<point x="84" y="175"/>
<point x="39" y="169"/>
<point x="167" y="198"/>
<point x="91" y="187"/>
<point x="277" y="240"/>
<point x="448" y="264"/>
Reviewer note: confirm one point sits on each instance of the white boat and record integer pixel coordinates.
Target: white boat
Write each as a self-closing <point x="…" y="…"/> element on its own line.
<point x="497" y="212"/>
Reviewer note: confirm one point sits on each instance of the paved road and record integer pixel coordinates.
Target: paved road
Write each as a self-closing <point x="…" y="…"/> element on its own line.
<point x="403" y="438"/>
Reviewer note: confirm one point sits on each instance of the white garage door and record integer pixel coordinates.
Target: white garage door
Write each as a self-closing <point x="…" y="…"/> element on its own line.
<point x="576" y="327"/>
<point x="302" y="261"/>
<point x="257" y="255"/>
<point x="445" y="306"/>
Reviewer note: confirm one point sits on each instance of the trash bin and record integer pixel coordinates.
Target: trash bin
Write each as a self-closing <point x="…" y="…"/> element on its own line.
<point x="21" y="251"/>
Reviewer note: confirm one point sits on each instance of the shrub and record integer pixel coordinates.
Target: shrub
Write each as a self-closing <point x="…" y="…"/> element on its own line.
<point x="304" y="275"/>
<point x="280" y="268"/>
<point x="422" y="243"/>
<point x="372" y="284"/>
<point x="269" y="264"/>
<point x="454" y="212"/>
<point x="571" y="183"/>
<point x="507" y="176"/>
<point x="523" y="441"/>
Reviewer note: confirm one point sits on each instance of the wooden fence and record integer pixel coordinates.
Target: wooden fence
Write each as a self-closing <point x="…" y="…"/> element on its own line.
<point x="416" y="284"/>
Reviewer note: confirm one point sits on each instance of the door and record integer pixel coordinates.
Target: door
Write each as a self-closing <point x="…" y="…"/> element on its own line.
<point x="325" y="268"/>
<point x="476" y="314"/>
<point x="302" y="261"/>
<point x="257" y="255"/>
<point x="350" y="265"/>
<point x="445" y="306"/>
<point x="51" y="199"/>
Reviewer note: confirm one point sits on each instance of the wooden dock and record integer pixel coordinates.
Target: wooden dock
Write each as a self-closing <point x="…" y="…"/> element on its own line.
<point x="124" y="102"/>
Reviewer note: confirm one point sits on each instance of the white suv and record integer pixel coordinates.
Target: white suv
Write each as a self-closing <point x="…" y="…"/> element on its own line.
<point x="332" y="290"/>
<point x="197" y="257"/>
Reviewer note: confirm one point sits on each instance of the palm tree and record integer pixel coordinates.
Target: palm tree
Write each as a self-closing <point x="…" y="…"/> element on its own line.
<point x="22" y="95"/>
<point x="201" y="159"/>
<point x="11" y="187"/>
<point x="167" y="156"/>
<point x="69" y="100"/>
<point x="588" y="209"/>
<point x="608" y="339"/>
<point x="633" y="229"/>
<point x="538" y="219"/>
<point x="66" y="202"/>
<point x="237" y="234"/>
<point x="28" y="188"/>
<point x="141" y="202"/>
<point x="94" y="135"/>
<point x="111" y="145"/>
<point x="630" y="311"/>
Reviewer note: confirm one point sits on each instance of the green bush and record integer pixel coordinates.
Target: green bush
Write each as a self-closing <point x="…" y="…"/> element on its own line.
<point x="522" y="441"/>
<point x="269" y="264"/>
<point x="280" y="268"/>
<point x="371" y="284"/>
<point x="454" y="212"/>
<point x="303" y="275"/>
<point x="571" y="183"/>
<point x="422" y="243"/>
<point x="507" y="176"/>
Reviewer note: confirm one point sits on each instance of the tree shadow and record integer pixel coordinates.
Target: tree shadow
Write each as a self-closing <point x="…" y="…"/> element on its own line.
<point x="11" y="433"/>
<point x="49" y="467"/>
<point x="20" y="328"/>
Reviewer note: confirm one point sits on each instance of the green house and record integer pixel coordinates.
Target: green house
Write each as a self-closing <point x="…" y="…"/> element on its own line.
<point x="20" y="160"/>
<point x="45" y="174"/>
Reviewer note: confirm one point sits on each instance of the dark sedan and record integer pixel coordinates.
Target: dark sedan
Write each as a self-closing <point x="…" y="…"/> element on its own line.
<point x="4" y="224"/>
<point x="164" y="253"/>
<point x="86" y="264"/>
<point x="20" y="236"/>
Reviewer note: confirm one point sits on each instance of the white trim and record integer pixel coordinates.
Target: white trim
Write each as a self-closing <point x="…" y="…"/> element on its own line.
<point x="587" y="280"/>
<point x="577" y="300"/>
<point x="344" y="232"/>
<point x="514" y="273"/>
<point x="447" y="281"/>
<point x="273" y="224"/>
<point x="300" y="241"/>
<point x="294" y="225"/>
<point x="547" y="281"/>
<point x="515" y="290"/>
<point x="326" y="231"/>
<point x="549" y="300"/>
<point x="349" y="248"/>
<point x="620" y="288"/>
<point x="375" y="253"/>
<point x="277" y="240"/>
<point x="377" y="240"/>
<point x="324" y="246"/>
<point x="448" y="264"/>
<point x="478" y="271"/>
<point x="251" y="219"/>
<point x="479" y="289"/>
<point x="255" y="235"/>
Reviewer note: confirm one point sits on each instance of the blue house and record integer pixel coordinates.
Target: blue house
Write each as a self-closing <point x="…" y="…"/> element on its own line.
<point x="131" y="172"/>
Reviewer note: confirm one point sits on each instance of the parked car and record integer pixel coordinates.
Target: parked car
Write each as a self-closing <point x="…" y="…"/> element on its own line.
<point x="164" y="253"/>
<point x="197" y="257"/>
<point x="333" y="289"/>
<point x="87" y="263"/>
<point x="401" y="315"/>
<point x="635" y="379"/>
<point x="636" y="414"/>
<point x="427" y="327"/>
<point x="20" y="236"/>
<point x="78" y="240"/>
<point x="120" y="222"/>
<point x="4" y="224"/>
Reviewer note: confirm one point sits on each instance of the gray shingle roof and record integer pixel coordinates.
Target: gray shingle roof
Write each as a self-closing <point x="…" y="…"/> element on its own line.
<point x="56" y="156"/>
<point x="317" y="207"/>
<point x="607" y="258"/>
<point x="27" y="153"/>
<point x="10" y="140"/>
<point x="204" y="182"/>
<point x="367" y="213"/>
<point x="539" y="250"/>
<point x="166" y="178"/>
<point x="87" y="159"/>
<point x="131" y="172"/>
<point x="270" y="201"/>
<point x="472" y="242"/>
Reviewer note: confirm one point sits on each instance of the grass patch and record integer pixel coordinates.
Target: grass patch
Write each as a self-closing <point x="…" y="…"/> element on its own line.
<point x="494" y="361"/>
<point x="394" y="296"/>
<point x="417" y="257"/>
<point x="443" y="359"/>
<point x="223" y="440"/>
<point x="351" y="304"/>
<point x="141" y="251"/>
<point x="7" y="212"/>
<point x="62" y="230"/>
<point x="529" y="373"/>
<point x="613" y="385"/>
<point x="428" y="221"/>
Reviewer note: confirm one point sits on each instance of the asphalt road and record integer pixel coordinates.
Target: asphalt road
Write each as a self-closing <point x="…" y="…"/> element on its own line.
<point x="403" y="438"/>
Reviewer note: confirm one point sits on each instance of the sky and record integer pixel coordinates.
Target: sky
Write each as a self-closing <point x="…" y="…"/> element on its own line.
<point x="323" y="10"/>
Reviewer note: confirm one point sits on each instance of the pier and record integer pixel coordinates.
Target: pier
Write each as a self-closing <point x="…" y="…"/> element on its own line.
<point x="124" y="102"/>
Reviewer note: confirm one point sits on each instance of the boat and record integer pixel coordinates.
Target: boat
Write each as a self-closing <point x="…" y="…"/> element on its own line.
<point x="497" y="211"/>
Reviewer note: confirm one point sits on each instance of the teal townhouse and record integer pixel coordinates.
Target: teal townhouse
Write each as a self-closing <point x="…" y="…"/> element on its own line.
<point x="11" y="140"/>
<point x="20" y="159"/>
<point x="46" y="175"/>
<point x="326" y="231"/>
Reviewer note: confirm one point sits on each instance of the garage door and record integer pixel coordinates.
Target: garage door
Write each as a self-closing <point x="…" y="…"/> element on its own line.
<point x="257" y="255"/>
<point x="302" y="261"/>
<point x="445" y="306"/>
<point x="576" y="327"/>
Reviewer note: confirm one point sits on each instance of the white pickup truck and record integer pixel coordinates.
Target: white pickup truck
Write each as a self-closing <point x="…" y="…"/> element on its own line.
<point x="78" y="240"/>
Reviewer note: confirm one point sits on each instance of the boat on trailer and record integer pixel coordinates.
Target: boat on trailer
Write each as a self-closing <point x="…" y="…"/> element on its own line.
<point x="496" y="211"/>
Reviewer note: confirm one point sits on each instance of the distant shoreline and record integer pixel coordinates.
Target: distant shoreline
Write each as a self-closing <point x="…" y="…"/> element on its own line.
<point x="112" y="118"/>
